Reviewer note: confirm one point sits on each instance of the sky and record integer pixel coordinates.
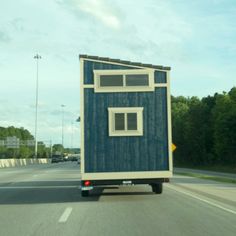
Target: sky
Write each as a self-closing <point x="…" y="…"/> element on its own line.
<point x="197" y="39"/>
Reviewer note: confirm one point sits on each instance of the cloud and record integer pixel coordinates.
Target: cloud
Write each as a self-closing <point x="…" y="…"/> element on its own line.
<point x="102" y="11"/>
<point x="4" y="37"/>
<point x="17" y="24"/>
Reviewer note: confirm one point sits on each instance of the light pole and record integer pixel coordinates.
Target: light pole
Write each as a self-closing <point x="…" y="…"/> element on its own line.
<point x="62" y="126"/>
<point x="37" y="57"/>
<point x="71" y="144"/>
<point x="50" y="148"/>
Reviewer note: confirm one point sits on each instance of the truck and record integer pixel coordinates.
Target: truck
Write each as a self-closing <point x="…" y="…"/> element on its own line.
<point x="125" y="120"/>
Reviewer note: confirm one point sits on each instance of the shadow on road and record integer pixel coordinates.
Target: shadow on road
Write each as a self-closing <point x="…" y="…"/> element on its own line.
<point x="41" y="192"/>
<point x="126" y="193"/>
<point x="36" y="192"/>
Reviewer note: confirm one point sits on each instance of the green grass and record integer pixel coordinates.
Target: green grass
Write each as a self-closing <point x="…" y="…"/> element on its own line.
<point x="209" y="177"/>
<point x="218" y="168"/>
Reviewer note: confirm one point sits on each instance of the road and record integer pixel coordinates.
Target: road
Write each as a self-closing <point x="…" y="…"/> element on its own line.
<point x="45" y="200"/>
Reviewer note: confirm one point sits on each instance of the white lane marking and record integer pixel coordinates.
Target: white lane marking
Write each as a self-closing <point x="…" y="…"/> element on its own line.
<point x="64" y="217"/>
<point x="203" y="200"/>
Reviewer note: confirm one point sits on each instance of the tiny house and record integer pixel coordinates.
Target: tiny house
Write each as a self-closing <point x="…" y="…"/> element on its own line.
<point x="125" y="123"/>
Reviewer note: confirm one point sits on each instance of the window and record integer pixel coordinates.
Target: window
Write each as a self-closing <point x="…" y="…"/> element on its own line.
<point x="125" y="121"/>
<point x="132" y="121"/>
<point x="137" y="80"/>
<point x="133" y="80"/>
<point x="119" y="121"/>
<point x="111" y="80"/>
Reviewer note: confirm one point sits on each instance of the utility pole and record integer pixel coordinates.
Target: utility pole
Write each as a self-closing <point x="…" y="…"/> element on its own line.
<point x="72" y="134"/>
<point x="37" y="57"/>
<point x="62" y="126"/>
<point x="50" y="148"/>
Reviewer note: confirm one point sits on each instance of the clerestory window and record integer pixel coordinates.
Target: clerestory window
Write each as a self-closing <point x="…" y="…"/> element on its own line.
<point x="134" y="80"/>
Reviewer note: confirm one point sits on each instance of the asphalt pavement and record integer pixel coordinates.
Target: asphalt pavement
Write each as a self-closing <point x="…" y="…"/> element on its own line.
<point x="45" y="200"/>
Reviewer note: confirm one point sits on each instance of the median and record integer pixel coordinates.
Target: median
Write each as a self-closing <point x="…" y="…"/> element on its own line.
<point x="22" y="162"/>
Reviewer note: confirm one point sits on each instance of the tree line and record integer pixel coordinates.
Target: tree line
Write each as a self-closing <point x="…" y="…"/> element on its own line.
<point x="204" y="130"/>
<point x="24" y="150"/>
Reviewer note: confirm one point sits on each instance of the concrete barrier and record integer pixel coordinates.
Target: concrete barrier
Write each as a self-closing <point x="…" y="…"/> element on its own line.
<point x="22" y="162"/>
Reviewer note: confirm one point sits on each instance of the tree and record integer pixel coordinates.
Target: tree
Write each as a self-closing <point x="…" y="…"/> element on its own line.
<point x="57" y="148"/>
<point x="180" y="109"/>
<point x="204" y="130"/>
<point x="225" y="127"/>
<point x="24" y="151"/>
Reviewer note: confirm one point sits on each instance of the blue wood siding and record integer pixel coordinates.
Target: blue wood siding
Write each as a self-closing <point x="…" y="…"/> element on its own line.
<point x="160" y="77"/>
<point x="89" y="66"/>
<point x="117" y="154"/>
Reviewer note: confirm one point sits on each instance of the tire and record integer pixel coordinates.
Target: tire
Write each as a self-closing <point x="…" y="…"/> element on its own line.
<point x="157" y="188"/>
<point x="84" y="193"/>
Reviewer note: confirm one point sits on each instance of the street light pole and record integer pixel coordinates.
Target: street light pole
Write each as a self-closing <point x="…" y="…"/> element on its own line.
<point x="50" y="148"/>
<point x="37" y="57"/>
<point x="62" y="126"/>
<point x="72" y="134"/>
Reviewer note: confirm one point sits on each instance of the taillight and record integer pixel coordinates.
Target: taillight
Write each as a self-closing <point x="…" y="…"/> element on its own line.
<point x="87" y="183"/>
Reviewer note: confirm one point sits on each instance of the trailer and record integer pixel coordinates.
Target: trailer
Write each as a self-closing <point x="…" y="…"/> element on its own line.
<point x="125" y="123"/>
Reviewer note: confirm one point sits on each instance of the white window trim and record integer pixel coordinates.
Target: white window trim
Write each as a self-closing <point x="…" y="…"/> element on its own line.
<point x="124" y="88"/>
<point x="111" y="119"/>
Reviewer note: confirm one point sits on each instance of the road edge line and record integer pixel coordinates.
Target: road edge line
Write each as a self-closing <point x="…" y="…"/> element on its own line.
<point x="203" y="200"/>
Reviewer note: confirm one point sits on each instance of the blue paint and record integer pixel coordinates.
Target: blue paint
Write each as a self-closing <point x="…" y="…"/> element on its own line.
<point x="160" y="77"/>
<point x="124" y="154"/>
<point x="89" y="66"/>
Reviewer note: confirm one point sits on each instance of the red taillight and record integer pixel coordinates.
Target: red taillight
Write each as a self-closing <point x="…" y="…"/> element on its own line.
<point x="87" y="183"/>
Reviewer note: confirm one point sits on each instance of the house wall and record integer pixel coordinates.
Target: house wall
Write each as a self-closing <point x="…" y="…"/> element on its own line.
<point x="103" y="153"/>
<point x="160" y="77"/>
<point x="89" y="66"/>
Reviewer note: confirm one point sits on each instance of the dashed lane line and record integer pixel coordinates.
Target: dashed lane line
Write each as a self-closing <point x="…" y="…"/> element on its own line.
<point x="64" y="217"/>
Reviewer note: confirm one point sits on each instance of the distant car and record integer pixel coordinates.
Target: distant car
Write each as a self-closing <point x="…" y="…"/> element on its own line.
<point x="57" y="158"/>
<point x="74" y="158"/>
<point x="66" y="158"/>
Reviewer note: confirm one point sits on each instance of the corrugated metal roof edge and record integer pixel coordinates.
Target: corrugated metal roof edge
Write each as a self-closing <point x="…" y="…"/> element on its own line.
<point x="107" y="59"/>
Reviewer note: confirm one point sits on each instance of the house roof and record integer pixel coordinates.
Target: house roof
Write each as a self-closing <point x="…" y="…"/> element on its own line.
<point x="107" y="59"/>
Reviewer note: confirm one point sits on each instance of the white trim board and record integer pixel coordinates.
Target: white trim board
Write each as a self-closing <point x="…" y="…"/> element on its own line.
<point x="123" y="88"/>
<point x="161" y="85"/>
<point x="111" y="121"/>
<point x="127" y="175"/>
<point x="81" y="116"/>
<point x="170" y="153"/>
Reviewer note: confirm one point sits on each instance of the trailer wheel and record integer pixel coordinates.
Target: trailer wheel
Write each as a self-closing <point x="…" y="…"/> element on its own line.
<point x="84" y="193"/>
<point x="157" y="188"/>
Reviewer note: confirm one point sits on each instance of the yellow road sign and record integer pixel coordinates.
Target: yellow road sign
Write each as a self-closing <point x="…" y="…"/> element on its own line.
<point x="173" y="147"/>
